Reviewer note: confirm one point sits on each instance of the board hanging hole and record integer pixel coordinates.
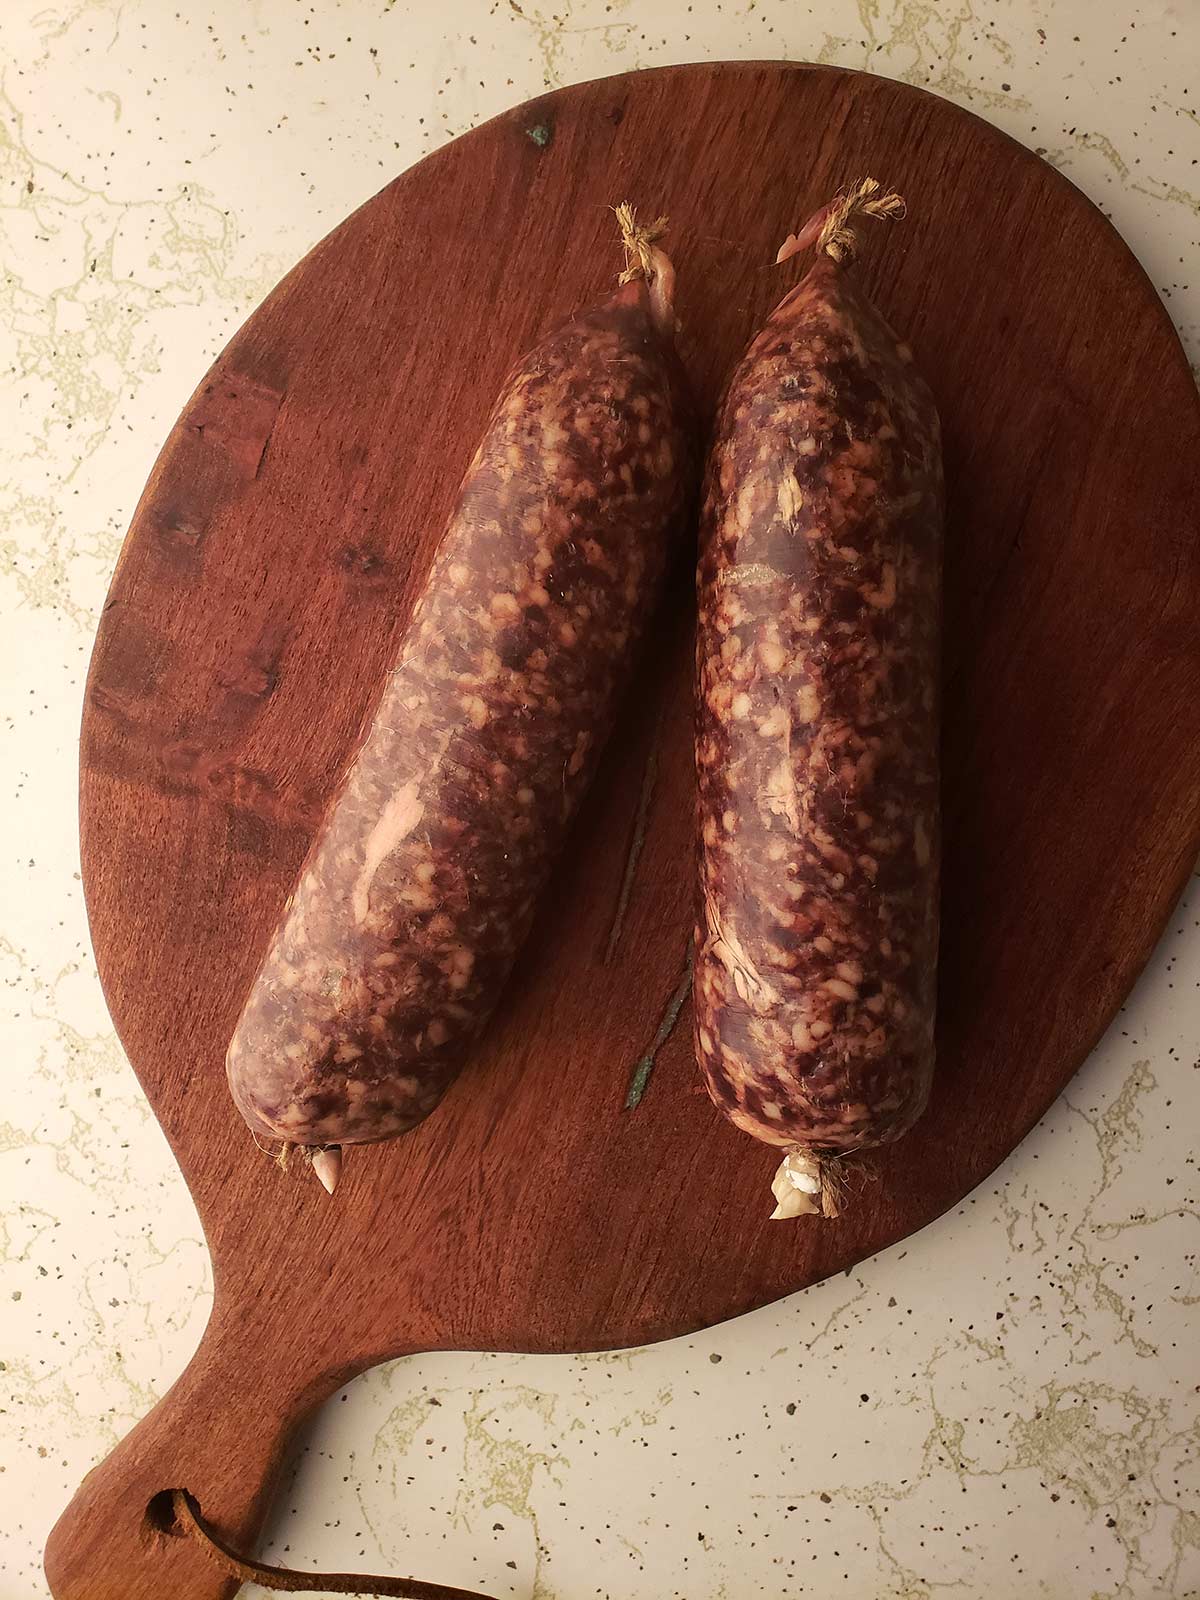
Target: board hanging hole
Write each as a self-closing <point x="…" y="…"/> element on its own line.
<point x="160" y="1515"/>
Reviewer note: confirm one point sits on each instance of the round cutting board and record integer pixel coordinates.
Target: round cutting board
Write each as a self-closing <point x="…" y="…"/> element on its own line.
<point x="259" y="599"/>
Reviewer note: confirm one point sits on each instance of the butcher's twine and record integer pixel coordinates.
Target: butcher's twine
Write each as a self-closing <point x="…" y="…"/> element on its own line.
<point x="860" y="200"/>
<point x="639" y="258"/>
<point x="188" y="1520"/>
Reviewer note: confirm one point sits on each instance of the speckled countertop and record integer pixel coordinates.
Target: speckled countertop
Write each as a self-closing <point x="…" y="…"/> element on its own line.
<point x="1007" y="1404"/>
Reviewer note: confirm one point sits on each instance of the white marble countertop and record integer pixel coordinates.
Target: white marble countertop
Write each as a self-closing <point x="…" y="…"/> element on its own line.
<point x="1008" y="1404"/>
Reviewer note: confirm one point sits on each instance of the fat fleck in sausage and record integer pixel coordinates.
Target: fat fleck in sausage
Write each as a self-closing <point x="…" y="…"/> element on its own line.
<point x="816" y="753"/>
<point x="422" y="883"/>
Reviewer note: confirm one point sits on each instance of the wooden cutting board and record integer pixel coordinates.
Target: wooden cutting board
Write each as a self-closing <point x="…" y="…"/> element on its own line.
<point x="266" y="580"/>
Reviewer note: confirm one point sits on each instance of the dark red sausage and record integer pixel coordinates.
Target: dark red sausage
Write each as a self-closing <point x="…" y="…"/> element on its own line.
<point x="817" y="654"/>
<point x="421" y="886"/>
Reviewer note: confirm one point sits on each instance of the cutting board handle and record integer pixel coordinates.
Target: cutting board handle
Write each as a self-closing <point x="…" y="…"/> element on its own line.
<point x="215" y="1434"/>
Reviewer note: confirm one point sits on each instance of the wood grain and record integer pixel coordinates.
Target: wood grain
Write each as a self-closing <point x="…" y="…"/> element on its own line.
<point x="259" y="597"/>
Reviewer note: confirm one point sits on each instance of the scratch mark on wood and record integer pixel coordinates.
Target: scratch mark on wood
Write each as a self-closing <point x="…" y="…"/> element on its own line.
<point x="236" y="414"/>
<point x="636" y="844"/>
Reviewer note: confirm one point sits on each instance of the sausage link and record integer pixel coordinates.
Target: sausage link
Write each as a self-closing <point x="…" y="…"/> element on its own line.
<point x="421" y="886"/>
<point x="817" y="727"/>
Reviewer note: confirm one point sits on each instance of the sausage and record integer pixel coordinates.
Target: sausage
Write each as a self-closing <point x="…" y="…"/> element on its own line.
<point x="817" y="728"/>
<point x="422" y="882"/>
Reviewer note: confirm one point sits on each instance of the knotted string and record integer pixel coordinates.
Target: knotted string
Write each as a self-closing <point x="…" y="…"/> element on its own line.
<point x="639" y="260"/>
<point x="862" y="199"/>
<point x="828" y="228"/>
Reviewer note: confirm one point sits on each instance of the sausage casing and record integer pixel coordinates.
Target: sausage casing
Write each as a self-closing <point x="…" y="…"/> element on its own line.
<point x="817" y="708"/>
<point x="422" y="882"/>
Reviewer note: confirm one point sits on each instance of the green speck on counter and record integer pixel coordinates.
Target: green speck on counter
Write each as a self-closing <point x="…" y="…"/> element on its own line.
<point x="541" y="134"/>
